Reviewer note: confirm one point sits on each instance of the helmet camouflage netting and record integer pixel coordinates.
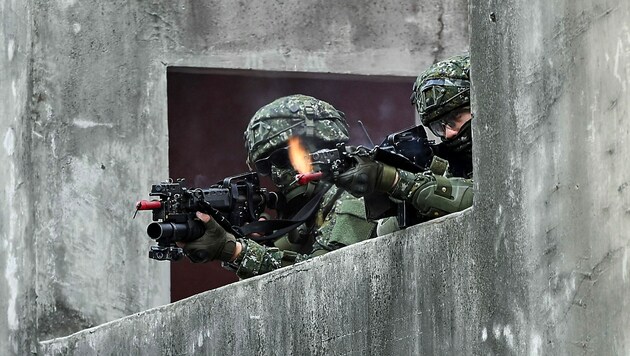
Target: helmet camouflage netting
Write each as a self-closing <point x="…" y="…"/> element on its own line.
<point x="296" y="115"/>
<point x="442" y="88"/>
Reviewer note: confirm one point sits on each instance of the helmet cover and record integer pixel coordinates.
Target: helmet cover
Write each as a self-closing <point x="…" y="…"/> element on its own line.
<point x="442" y="88"/>
<point x="296" y="115"/>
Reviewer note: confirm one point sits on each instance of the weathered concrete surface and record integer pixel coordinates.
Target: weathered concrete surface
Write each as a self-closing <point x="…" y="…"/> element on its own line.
<point x="384" y="37"/>
<point x="17" y="280"/>
<point x="99" y="135"/>
<point x="552" y="128"/>
<point x="539" y="266"/>
<point x="412" y="297"/>
<point x="83" y="127"/>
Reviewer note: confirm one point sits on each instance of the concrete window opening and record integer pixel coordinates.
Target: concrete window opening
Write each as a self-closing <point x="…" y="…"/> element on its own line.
<point x="208" y="110"/>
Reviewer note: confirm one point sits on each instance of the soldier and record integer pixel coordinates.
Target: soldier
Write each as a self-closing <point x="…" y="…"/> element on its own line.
<point x="338" y="220"/>
<point x="441" y="95"/>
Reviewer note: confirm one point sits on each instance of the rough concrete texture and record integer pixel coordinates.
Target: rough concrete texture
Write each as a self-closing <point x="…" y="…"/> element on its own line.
<point x="84" y="131"/>
<point x="539" y="266"/>
<point x="384" y="37"/>
<point x="405" y="294"/>
<point x="552" y="128"/>
<point x="17" y="297"/>
<point x="98" y="138"/>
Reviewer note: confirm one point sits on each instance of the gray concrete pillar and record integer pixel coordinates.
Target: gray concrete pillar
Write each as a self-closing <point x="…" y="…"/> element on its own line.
<point x="550" y="89"/>
<point x="84" y="132"/>
<point x="18" y="334"/>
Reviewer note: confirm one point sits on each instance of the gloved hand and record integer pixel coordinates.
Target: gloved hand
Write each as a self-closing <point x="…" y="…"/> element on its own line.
<point x="366" y="177"/>
<point x="214" y="244"/>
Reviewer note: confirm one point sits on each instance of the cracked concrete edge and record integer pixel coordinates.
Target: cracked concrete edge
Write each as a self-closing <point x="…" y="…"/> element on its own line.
<point x="372" y="270"/>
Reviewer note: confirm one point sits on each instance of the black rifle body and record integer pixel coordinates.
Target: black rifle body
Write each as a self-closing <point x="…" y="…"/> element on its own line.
<point x="233" y="203"/>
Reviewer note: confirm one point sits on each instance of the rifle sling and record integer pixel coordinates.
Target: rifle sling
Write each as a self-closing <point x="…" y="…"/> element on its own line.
<point x="280" y="227"/>
<point x="206" y="208"/>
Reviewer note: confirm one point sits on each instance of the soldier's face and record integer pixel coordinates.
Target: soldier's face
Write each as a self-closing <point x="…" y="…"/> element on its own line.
<point x="448" y="126"/>
<point x="452" y="129"/>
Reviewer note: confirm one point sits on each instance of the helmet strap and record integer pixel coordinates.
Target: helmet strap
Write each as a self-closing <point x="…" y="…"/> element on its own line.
<point x="309" y="112"/>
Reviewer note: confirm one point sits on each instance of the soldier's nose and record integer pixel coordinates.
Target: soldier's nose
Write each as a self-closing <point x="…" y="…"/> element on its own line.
<point x="449" y="132"/>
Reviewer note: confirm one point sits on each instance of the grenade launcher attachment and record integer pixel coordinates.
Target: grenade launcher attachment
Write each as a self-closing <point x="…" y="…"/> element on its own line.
<point x="232" y="203"/>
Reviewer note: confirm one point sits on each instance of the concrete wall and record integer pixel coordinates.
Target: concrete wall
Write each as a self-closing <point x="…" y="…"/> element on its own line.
<point x="83" y="126"/>
<point x="538" y="266"/>
<point x="98" y="139"/>
<point x="17" y="287"/>
<point x="407" y="294"/>
<point x="551" y="95"/>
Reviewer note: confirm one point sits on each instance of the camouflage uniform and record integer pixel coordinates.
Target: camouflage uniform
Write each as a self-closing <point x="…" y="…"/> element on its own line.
<point x="442" y="89"/>
<point x="344" y="225"/>
<point x="320" y="125"/>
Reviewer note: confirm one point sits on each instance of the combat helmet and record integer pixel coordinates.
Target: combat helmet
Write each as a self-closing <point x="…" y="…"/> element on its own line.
<point x="296" y="115"/>
<point x="442" y="88"/>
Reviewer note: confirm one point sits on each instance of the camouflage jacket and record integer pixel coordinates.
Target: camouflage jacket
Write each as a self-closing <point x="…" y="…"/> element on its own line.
<point x="344" y="225"/>
<point x="431" y="194"/>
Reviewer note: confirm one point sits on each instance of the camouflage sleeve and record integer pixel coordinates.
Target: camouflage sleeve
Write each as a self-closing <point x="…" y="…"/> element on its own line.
<point x="433" y="195"/>
<point x="344" y="225"/>
<point x="256" y="259"/>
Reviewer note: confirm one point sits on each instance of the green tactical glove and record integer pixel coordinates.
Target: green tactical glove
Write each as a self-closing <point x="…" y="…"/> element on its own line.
<point x="366" y="177"/>
<point x="214" y="244"/>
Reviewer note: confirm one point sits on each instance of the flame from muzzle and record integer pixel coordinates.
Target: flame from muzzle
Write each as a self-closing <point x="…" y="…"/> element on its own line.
<point x="299" y="156"/>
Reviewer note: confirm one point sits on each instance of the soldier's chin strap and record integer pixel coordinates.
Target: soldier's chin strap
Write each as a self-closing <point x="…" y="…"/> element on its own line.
<point x="273" y="229"/>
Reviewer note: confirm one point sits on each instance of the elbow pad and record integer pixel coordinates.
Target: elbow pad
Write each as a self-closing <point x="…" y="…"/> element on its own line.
<point x="443" y="196"/>
<point x="433" y="195"/>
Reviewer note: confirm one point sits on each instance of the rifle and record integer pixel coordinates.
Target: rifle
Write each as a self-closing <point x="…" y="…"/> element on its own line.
<point x="410" y="150"/>
<point x="232" y="203"/>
